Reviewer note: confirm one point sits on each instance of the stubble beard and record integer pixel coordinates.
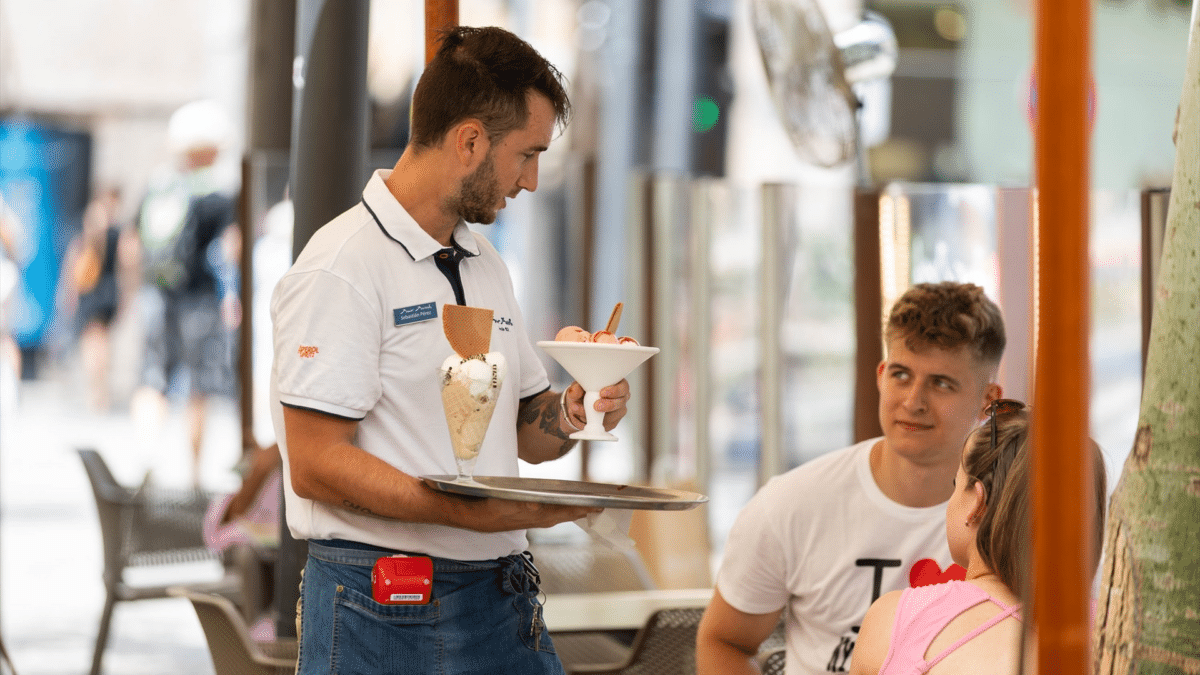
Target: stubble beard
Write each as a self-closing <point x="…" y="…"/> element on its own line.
<point x="478" y="194"/>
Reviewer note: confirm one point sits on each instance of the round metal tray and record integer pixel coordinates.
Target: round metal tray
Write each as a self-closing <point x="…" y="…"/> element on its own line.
<point x="569" y="492"/>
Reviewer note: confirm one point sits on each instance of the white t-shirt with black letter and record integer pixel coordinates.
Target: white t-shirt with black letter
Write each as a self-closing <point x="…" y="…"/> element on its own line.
<point x="824" y="541"/>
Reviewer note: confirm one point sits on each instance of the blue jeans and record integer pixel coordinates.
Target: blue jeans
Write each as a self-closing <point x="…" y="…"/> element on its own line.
<point x="484" y="617"/>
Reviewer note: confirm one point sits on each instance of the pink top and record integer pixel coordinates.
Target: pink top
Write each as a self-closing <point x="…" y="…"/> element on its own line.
<point x="922" y="614"/>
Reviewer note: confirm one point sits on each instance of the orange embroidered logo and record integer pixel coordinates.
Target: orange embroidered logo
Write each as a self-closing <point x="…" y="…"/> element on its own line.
<point x="307" y="352"/>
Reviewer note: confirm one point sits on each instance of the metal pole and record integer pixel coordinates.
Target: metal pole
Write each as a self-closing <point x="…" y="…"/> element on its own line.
<point x="273" y="26"/>
<point x="667" y="211"/>
<point x="328" y="163"/>
<point x="329" y="112"/>
<point x="778" y="207"/>
<point x="707" y="196"/>
<point x="1062" y="472"/>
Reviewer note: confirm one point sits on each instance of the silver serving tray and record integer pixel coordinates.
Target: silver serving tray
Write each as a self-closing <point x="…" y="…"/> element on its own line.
<point x="569" y="492"/>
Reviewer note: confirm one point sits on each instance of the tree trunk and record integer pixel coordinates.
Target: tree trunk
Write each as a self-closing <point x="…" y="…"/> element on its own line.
<point x="1148" y="615"/>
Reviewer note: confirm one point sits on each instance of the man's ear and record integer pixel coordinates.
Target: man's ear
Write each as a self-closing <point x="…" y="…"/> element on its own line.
<point x="992" y="392"/>
<point x="470" y="141"/>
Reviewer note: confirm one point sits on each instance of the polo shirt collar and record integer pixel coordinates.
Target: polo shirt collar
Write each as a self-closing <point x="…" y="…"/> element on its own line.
<point x="400" y="227"/>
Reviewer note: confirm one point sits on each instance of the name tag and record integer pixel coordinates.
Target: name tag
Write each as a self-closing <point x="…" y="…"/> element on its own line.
<point x="415" y="313"/>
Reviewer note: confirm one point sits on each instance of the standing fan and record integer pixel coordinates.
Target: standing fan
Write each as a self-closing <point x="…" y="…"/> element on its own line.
<point x="813" y="75"/>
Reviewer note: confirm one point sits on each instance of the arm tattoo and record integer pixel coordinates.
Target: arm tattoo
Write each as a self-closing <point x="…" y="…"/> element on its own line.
<point x="543" y="411"/>
<point x="355" y="507"/>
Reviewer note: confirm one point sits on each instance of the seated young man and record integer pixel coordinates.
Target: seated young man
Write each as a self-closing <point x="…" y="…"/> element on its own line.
<point x="827" y="538"/>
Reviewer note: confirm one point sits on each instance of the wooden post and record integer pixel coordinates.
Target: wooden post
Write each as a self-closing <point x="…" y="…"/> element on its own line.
<point x="868" y="313"/>
<point x="1062" y="472"/>
<point x="439" y="15"/>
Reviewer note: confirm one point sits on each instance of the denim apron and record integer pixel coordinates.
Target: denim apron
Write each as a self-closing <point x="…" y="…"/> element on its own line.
<point x="483" y="617"/>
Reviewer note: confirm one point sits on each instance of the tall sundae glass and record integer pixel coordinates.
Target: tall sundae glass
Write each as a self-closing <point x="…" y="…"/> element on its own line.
<point x="471" y="379"/>
<point x="470" y="389"/>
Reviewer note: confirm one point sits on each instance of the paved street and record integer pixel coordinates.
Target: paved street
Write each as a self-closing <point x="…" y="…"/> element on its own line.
<point x="51" y="592"/>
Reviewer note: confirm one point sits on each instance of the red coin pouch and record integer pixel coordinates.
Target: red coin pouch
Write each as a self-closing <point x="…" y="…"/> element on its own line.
<point x="402" y="580"/>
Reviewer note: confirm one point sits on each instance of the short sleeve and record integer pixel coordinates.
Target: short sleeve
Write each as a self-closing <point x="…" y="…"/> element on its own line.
<point x="754" y="569"/>
<point x="327" y="342"/>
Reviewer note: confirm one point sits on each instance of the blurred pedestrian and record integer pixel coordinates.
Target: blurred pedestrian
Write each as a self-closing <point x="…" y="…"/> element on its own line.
<point x="93" y="286"/>
<point x="183" y="226"/>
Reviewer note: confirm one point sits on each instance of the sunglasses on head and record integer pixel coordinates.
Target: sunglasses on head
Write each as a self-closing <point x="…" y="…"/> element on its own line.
<point x="998" y="407"/>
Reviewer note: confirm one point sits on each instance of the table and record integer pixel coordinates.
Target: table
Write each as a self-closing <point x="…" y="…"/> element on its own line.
<point x="623" y="610"/>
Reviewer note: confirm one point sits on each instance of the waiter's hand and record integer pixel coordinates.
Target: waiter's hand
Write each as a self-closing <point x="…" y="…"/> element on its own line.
<point x="612" y="403"/>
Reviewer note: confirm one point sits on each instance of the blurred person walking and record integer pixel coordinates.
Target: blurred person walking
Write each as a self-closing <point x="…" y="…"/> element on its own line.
<point x="96" y="288"/>
<point x="186" y="235"/>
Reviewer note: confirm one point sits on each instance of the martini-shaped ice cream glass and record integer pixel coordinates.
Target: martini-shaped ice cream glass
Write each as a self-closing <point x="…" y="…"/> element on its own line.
<point x="596" y="366"/>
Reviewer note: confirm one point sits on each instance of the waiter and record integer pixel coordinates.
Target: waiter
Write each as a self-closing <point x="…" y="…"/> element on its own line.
<point x="355" y="391"/>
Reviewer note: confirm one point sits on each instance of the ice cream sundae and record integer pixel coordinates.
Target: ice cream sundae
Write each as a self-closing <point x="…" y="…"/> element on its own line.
<point x="471" y="378"/>
<point x="470" y="389"/>
<point x="596" y="360"/>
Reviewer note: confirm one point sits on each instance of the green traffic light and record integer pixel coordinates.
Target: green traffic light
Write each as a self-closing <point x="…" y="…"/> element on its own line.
<point x="705" y="114"/>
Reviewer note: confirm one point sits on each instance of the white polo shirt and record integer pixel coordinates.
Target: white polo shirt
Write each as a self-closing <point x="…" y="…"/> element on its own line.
<point x="358" y="334"/>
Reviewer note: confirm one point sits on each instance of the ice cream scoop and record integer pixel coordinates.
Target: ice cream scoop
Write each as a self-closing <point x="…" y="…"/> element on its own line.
<point x="573" y="334"/>
<point x="604" y="337"/>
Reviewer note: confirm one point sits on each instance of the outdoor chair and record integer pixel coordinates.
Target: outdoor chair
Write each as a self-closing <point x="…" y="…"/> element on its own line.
<point x="229" y="643"/>
<point x="147" y="526"/>
<point x="666" y="645"/>
<point x="589" y="567"/>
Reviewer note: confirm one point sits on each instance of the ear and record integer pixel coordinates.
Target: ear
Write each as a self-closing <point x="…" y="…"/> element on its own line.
<point x="992" y="392"/>
<point x="470" y="141"/>
<point x="980" y="506"/>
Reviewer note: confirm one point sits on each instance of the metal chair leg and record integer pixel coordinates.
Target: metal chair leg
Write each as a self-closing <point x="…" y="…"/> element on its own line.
<point x="110" y="601"/>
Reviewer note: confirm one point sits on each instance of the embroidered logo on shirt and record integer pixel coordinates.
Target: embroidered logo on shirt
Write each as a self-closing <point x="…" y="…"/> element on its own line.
<point x="415" y="313"/>
<point x="503" y="323"/>
<point x="306" y="352"/>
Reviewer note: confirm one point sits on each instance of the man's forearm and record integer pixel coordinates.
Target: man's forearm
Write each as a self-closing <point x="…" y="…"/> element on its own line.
<point x="541" y="434"/>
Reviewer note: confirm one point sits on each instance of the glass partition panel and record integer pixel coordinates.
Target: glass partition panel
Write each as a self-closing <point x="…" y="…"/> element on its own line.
<point x="1115" y="243"/>
<point x="817" y="325"/>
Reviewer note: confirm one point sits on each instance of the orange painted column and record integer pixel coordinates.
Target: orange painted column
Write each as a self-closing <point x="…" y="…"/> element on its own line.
<point x="439" y="15"/>
<point x="1061" y="529"/>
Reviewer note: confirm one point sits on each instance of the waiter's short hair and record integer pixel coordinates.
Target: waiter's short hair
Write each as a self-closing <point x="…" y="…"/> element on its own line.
<point x="486" y="74"/>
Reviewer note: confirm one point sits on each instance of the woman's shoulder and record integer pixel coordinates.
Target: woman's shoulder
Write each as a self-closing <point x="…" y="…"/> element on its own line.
<point x="875" y="635"/>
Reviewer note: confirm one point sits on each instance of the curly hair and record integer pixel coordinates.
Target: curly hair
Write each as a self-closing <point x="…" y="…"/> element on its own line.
<point x="486" y="74"/>
<point x="1003" y="538"/>
<point x="948" y="315"/>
